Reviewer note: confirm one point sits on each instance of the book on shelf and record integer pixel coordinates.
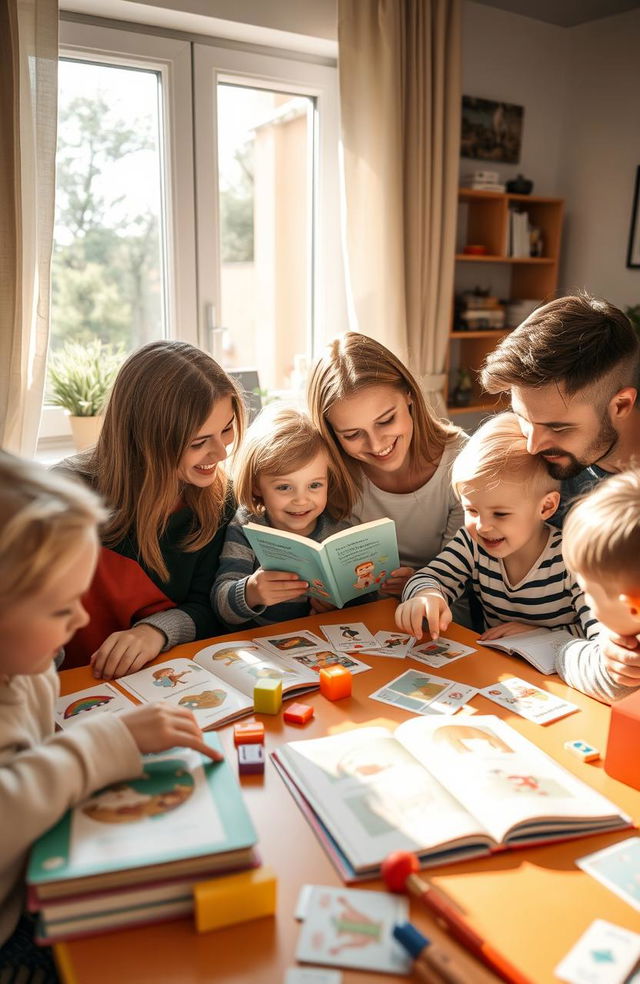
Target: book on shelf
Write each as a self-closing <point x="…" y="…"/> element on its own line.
<point x="519" y="234"/>
<point x="445" y="791"/>
<point x="345" y="566"/>
<point x="132" y="851"/>
<point x="540" y="647"/>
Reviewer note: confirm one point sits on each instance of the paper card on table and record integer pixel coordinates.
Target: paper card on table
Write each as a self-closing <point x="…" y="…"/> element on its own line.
<point x="293" y="643"/>
<point x="604" y="954"/>
<point x="312" y="975"/>
<point x="617" y="867"/>
<point x="211" y="701"/>
<point x="173" y="677"/>
<point x="440" y="652"/>
<point x="319" y="660"/>
<point x="422" y="693"/>
<point x="349" y="636"/>
<point x="87" y="703"/>
<point x="528" y="701"/>
<point x="397" y="644"/>
<point x="353" y="928"/>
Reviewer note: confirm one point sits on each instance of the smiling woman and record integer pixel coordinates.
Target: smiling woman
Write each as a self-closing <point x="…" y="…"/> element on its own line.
<point x="172" y="415"/>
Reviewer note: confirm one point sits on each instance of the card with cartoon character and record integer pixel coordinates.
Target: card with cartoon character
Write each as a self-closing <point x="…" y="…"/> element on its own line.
<point x="349" y="637"/>
<point x="528" y="701"/>
<point x="87" y="703"/>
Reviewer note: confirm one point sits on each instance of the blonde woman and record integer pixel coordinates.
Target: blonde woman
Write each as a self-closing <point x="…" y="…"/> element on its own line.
<point x="158" y="464"/>
<point x="392" y="455"/>
<point x="283" y="479"/>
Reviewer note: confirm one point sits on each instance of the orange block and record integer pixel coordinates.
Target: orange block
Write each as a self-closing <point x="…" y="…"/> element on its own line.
<point x="298" y="713"/>
<point x="335" y="682"/>
<point x="248" y="733"/>
<point x="622" y="760"/>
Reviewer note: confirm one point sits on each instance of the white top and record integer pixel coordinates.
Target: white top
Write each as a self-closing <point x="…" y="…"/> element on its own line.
<point x="425" y="519"/>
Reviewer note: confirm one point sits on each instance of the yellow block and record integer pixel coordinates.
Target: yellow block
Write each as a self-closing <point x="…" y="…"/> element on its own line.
<point x="233" y="899"/>
<point x="267" y="696"/>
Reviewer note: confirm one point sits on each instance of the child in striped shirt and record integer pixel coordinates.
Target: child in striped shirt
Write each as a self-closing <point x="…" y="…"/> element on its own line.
<point x="506" y="550"/>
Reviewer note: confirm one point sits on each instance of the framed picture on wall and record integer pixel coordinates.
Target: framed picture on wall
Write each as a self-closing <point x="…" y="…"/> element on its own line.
<point x="491" y="131"/>
<point x="633" y="251"/>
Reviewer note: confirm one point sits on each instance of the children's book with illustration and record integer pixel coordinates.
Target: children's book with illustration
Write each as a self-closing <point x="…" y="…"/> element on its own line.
<point x="345" y="566"/>
<point x="539" y="647"/>
<point x="443" y="790"/>
<point x="183" y="816"/>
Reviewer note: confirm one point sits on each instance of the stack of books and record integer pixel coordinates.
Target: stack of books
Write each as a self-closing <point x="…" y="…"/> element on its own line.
<point x="132" y="853"/>
<point x="483" y="181"/>
<point x="477" y="312"/>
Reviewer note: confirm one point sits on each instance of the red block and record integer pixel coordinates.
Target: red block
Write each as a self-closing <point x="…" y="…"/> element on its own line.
<point x="248" y="733"/>
<point x="298" y="713"/>
<point x="335" y="682"/>
<point x="622" y="760"/>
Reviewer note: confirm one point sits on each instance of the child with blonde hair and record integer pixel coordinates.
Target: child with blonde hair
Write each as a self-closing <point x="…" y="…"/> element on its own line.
<point x="506" y="550"/>
<point x="48" y="552"/>
<point x="601" y="545"/>
<point x="283" y="478"/>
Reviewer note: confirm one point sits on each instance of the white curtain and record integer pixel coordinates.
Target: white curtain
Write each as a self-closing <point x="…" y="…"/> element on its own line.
<point x="28" y="112"/>
<point x="400" y="94"/>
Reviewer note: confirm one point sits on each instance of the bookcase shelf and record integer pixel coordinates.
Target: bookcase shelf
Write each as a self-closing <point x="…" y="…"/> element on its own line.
<point x="483" y="218"/>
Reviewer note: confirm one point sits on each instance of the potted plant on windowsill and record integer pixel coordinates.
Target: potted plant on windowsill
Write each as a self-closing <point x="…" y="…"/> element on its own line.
<point x="80" y="377"/>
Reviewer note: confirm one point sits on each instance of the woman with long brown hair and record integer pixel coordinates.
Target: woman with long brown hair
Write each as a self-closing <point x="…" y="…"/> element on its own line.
<point x="158" y="466"/>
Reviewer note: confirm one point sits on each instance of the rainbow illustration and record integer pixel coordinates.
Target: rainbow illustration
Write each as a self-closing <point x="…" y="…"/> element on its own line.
<point x="86" y="704"/>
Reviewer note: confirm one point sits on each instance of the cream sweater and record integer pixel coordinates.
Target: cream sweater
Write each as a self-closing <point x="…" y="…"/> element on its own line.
<point x="42" y="774"/>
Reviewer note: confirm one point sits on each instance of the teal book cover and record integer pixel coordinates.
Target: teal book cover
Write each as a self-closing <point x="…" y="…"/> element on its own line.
<point x="346" y="565"/>
<point x="181" y="810"/>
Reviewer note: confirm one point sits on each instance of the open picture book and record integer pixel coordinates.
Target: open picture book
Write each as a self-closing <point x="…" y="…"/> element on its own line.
<point x="443" y="790"/>
<point x="345" y="566"/>
<point x="540" y="647"/>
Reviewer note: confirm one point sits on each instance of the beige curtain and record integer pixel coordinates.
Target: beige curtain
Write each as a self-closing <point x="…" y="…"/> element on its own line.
<point x="400" y="94"/>
<point x="28" y="109"/>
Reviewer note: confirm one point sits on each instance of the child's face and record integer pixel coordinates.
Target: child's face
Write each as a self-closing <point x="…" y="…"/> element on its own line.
<point x="33" y="630"/>
<point x="504" y="519"/>
<point x="199" y="463"/>
<point x="294" y="501"/>
<point x="375" y="426"/>
<point x="610" y="607"/>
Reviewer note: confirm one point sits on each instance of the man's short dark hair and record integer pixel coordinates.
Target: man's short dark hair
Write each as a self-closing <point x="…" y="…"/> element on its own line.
<point x="577" y="340"/>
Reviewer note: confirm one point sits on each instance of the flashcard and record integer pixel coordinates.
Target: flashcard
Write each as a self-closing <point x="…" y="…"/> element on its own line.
<point x="347" y="927"/>
<point x="422" y="693"/>
<point x="87" y="703"/>
<point x="293" y="643"/>
<point x="312" y="975"/>
<point x="397" y="644"/>
<point x="325" y="657"/>
<point x="440" y="652"/>
<point x="212" y="701"/>
<point x="155" y="682"/>
<point x="528" y="701"/>
<point x="604" y="954"/>
<point x="618" y="868"/>
<point x="349" y="636"/>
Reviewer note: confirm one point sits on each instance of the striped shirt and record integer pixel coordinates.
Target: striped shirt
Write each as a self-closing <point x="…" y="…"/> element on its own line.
<point x="548" y="596"/>
<point x="581" y="665"/>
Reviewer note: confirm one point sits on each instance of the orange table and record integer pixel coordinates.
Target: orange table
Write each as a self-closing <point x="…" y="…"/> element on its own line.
<point x="531" y="904"/>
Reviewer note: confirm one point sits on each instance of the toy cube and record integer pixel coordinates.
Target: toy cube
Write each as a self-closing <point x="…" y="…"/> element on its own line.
<point x="250" y="759"/>
<point x="621" y="759"/>
<point x="335" y="682"/>
<point x="248" y="733"/>
<point x="298" y="713"/>
<point x="231" y="899"/>
<point x="583" y="750"/>
<point x="267" y="696"/>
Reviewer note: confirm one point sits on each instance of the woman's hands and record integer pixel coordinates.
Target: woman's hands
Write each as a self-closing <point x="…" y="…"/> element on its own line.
<point x="127" y="651"/>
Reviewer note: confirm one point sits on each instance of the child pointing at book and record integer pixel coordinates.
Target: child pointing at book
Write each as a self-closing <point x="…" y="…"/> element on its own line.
<point x="48" y="552"/>
<point x="282" y="478"/>
<point x="506" y="550"/>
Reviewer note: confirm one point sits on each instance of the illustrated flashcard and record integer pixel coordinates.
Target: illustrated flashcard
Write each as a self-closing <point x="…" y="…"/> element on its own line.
<point x="440" y="653"/>
<point x="422" y="693"/>
<point x="211" y="701"/>
<point x="350" y="928"/>
<point x="325" y="657"/>
<point x="397" y="644"/>
<point x="349" y="637"/>
<point x="293" y="643"/>
<point x="155" y="682"/>
<point x="617" y="867"/>
<point x="604" y="954"/>
<point x="86" y="703"/>
<point x="528" y="701"/>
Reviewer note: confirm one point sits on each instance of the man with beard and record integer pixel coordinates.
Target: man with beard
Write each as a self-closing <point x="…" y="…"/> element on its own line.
<point x="572" y="369"/>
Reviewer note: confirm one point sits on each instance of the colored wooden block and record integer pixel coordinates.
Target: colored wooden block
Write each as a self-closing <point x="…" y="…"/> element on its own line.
<point x="248" y="733"/>
<point x="250" y="759"/>
<point x="298" y="713"/>
<point x="232" y="899"/>
<point x="583" y="750"/>
<point x="335" y="682"/>
<point x="621" y="759"/>
<point x="267" y="696"/>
